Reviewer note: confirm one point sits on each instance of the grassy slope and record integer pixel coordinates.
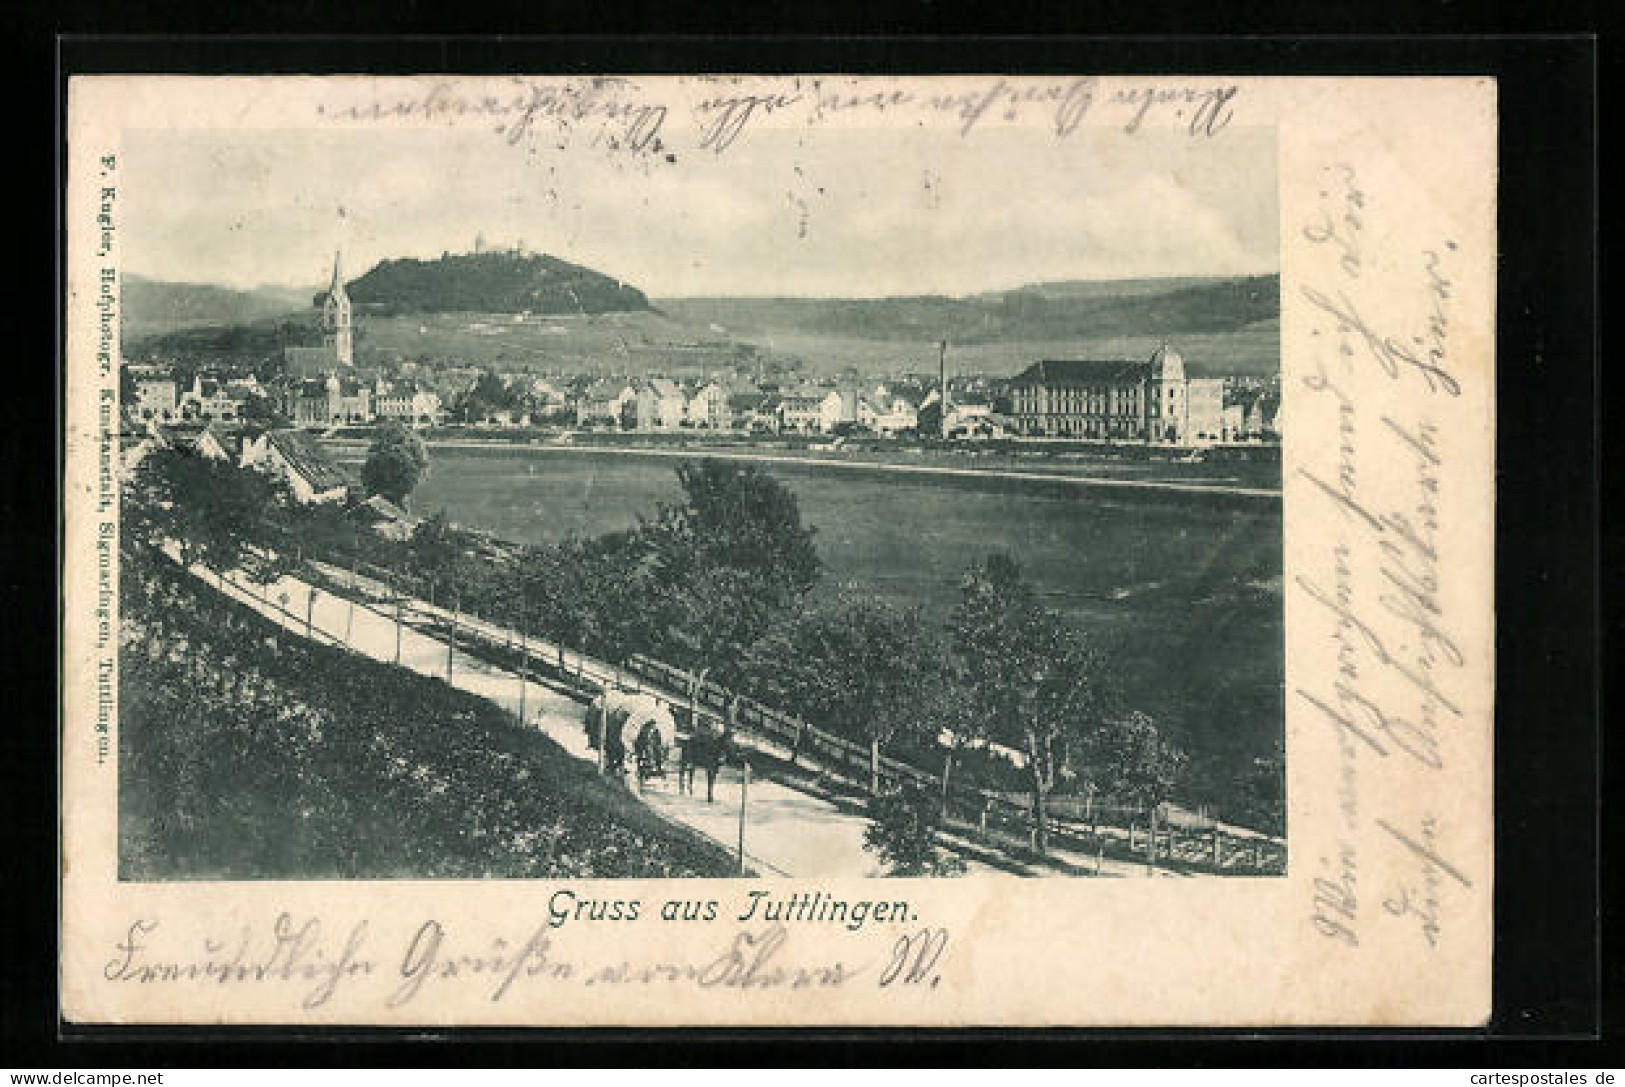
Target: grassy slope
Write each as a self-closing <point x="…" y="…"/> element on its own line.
<point x="246" y="753"/>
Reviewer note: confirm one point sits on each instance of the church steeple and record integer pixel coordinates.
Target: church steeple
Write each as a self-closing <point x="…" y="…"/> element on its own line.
<point x="336" y="319"/>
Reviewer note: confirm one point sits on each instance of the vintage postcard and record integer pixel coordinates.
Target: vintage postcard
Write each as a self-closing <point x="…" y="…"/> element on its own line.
<point x="732" y="550"/>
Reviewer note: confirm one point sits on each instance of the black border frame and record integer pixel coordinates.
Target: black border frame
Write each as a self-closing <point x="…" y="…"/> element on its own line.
<point x="1548" y="974"/>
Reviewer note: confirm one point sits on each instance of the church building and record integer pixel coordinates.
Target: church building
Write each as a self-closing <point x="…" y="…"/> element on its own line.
<point x="338" y="335"/>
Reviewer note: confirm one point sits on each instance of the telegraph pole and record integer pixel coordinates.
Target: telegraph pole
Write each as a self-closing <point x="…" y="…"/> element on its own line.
<point x="451" y="641"/>
<point x="744" y="793"/>
<point x="942" y="386"/>
<point x="355" y="555"/>
<point x="524" y="667"/>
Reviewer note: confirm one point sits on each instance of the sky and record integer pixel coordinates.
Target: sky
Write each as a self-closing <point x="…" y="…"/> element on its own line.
<point x="848" y="212"/>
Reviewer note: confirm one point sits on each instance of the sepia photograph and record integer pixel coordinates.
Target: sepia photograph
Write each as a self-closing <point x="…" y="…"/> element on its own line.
<point x="801" y="514"/>
<point x="796" y="550"/>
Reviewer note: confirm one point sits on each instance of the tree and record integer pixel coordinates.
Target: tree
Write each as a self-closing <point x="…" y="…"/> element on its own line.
<point x="489" y="394"/>
<point x="215" y="513"/>
<point x="724" y="564"/>
<point x="592" y="594"/>
<point x="853" y="665"/>
<point x="903" y="833"/>
<point x="1130" y="759"/>
<point x="436" y="552"/>
<point x="948" y="709"/>
<point x="737" y="517"/>
<point x="263" y="410"/>
<point x="710" y="619"/>
<point x="395" y="462"/>
<point x="1260" y="792"/>
<point x="1039" y="685"/>
<point x="549" y="591"/>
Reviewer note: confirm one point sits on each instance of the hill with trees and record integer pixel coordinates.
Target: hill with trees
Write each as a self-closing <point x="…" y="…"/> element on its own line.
<point x="499" y="282"/>
<point x="153" y="306"/>
<point x="1042" y="311"/>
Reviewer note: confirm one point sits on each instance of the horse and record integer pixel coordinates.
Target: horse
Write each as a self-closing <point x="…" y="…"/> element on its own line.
<point x="708" y="746"/>
<point x="707" y="749"/>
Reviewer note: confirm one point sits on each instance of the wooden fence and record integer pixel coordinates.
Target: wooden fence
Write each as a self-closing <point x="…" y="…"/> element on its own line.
<point x="1000" y="820"/>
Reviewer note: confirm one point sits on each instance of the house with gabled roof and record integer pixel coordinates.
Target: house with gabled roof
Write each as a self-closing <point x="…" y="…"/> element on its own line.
<point x="607" y="401"/>
<point x="661" y="404"/>
<point x="802" y="408"/>
<point x="156" y="398"/>
<point x="204" y="439"/>
<point x="708" y="407"/>
<point x="893" y="414"/>
<point x="294" y="457"/>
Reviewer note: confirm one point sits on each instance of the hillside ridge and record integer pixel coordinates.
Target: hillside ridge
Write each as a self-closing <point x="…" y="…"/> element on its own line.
<point x="495" y="282"/>
<point x="1038" y="311"/>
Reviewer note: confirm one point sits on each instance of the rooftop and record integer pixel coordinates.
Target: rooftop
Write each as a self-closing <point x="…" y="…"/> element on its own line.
<point x="307" y="458"/>
<point x="1082" y="371"/>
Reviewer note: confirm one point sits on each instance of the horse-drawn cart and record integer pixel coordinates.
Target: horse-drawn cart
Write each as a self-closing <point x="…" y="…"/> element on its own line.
<point x="635" y="723"/>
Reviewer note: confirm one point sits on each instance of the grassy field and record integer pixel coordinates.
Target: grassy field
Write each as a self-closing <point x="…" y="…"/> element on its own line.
<point x="1184" y="591"/>
<point x="617" y="343"/>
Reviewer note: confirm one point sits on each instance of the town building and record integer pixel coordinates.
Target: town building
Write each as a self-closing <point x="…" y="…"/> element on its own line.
<point x="155" y="399"/>
<point x="708" y="407"/>
<point x="837" y="407"/>
<point x="802" y="409"/>
<point x="1123" y="400"/>
<point x="893" y="414"/>
<point x="1251" y="414"/>
<point x="1205" y="411"/>
<point x="338" y="329"/>
<point x="203" y="439"/>
<point x="612" y="403"/>
<point x="296" y="459"/>
<point x="546" y="395"/>
<point x="409" y="403"/>
<point x="971" y="415"/>
<point x="660" y="404"/>
<point x="209" y="398"/>
<point x="338" y="334"/>
<point x="329" y="402"/>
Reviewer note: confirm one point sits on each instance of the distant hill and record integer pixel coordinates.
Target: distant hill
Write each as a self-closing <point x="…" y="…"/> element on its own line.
<point x="1221" y="326"/>
<point x="1081" y="310"/>
<point x="152" y="306"/>
<point x="243" y="343"/>
<point x="1111" y="288"/>
<point x="501" y="282"/>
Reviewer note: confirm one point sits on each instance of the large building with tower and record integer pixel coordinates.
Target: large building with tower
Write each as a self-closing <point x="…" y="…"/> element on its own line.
<point x="338" y="334"/>
<point x="1149" y="401"/>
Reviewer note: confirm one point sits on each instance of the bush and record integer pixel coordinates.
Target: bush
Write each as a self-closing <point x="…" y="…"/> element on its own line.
<point x="903" y="834"/>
